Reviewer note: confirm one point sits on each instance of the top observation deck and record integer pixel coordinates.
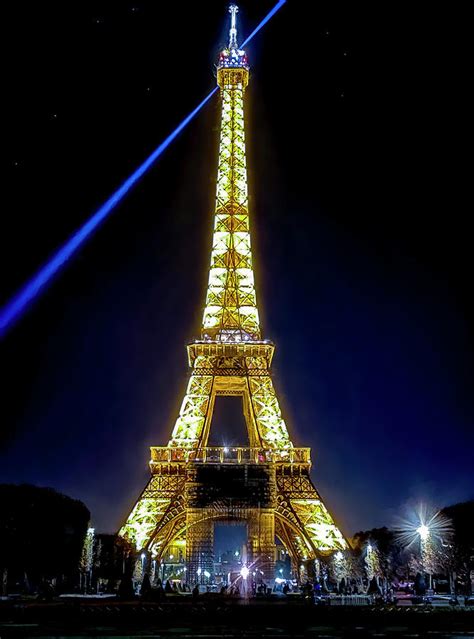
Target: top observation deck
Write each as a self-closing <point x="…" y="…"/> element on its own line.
<point x="233" y="66"/>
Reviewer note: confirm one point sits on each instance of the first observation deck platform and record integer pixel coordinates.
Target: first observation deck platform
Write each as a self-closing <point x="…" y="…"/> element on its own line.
<point x="228" y="455"/>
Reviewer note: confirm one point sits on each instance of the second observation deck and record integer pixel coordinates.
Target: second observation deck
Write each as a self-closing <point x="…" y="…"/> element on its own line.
<point x="229" y="455"/>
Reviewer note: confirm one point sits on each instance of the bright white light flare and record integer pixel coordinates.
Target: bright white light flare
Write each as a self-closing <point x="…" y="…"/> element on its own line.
<point x="424" y="523"/>
<point x="244" y="572"/>
<point x="423" y="531"/>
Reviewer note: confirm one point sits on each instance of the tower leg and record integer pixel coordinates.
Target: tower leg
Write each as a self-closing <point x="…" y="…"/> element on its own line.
<point x="199" y="546"/>
<point x="261" y="538"/>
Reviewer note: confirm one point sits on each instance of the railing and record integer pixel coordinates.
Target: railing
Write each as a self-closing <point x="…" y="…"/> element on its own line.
<point x="350" y="600"/>
<point x="229" y="455"/>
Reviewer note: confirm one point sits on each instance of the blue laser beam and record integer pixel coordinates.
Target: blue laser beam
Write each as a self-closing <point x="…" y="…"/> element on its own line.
<point x="269" y="15"/>
<point x="17" y="305"/>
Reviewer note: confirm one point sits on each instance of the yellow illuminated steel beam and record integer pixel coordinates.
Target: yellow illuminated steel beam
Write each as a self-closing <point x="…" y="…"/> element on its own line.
<point x="230" y="312"/>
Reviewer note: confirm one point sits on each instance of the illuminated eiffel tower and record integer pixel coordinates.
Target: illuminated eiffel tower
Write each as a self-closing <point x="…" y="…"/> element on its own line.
<point x="266" y="485"/>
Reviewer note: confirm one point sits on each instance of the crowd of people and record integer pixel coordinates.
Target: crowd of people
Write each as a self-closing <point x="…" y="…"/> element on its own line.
<point x="235" y="590"/>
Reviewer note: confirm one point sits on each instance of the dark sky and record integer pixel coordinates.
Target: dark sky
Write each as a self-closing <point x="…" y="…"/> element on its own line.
<point x="362" y="250"/>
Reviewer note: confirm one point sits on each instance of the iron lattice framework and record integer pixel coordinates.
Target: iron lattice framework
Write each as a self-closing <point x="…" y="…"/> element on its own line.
<point x="266" y="484"/>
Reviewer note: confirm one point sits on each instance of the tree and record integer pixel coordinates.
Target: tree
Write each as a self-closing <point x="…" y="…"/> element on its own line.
<point x="86" y="562"/>
<point x="372" y="562"/>
<point x="461" y="552"/>
<point x="113" y="559"/>
<point x="383" y="555"/>
<point x="41" y="533"/>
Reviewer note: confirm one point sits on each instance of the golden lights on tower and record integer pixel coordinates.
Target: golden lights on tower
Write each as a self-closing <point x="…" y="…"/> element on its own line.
<point x="231" y="358"/>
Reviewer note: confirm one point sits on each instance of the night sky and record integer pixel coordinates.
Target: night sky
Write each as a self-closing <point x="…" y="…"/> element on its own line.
<point x="361" y="244"/>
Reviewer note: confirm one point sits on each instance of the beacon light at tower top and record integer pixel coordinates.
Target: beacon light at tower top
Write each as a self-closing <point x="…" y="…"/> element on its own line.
<point x="232" y="56"/>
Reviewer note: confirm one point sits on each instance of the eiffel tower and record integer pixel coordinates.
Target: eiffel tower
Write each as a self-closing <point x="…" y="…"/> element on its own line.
<point x="267" y="485"/>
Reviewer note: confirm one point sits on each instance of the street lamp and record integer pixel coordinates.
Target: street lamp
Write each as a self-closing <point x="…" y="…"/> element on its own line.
<point x="423" y="531"/>
<point x="424" y="534"/>
<point x="425" y="527"/>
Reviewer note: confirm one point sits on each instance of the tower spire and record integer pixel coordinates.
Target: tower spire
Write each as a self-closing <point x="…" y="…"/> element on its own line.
<point x="231" y="313"/>
<point x="233" y="10"/>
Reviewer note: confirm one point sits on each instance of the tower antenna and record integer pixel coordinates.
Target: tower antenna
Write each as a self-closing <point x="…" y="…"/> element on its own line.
<point x="233" y="10"/>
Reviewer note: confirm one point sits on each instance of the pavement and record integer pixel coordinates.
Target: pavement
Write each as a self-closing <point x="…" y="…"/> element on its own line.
<point x="218" y="617"/>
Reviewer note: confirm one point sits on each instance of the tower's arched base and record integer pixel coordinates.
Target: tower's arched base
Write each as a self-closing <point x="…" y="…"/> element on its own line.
<point x="270" y="491"/>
